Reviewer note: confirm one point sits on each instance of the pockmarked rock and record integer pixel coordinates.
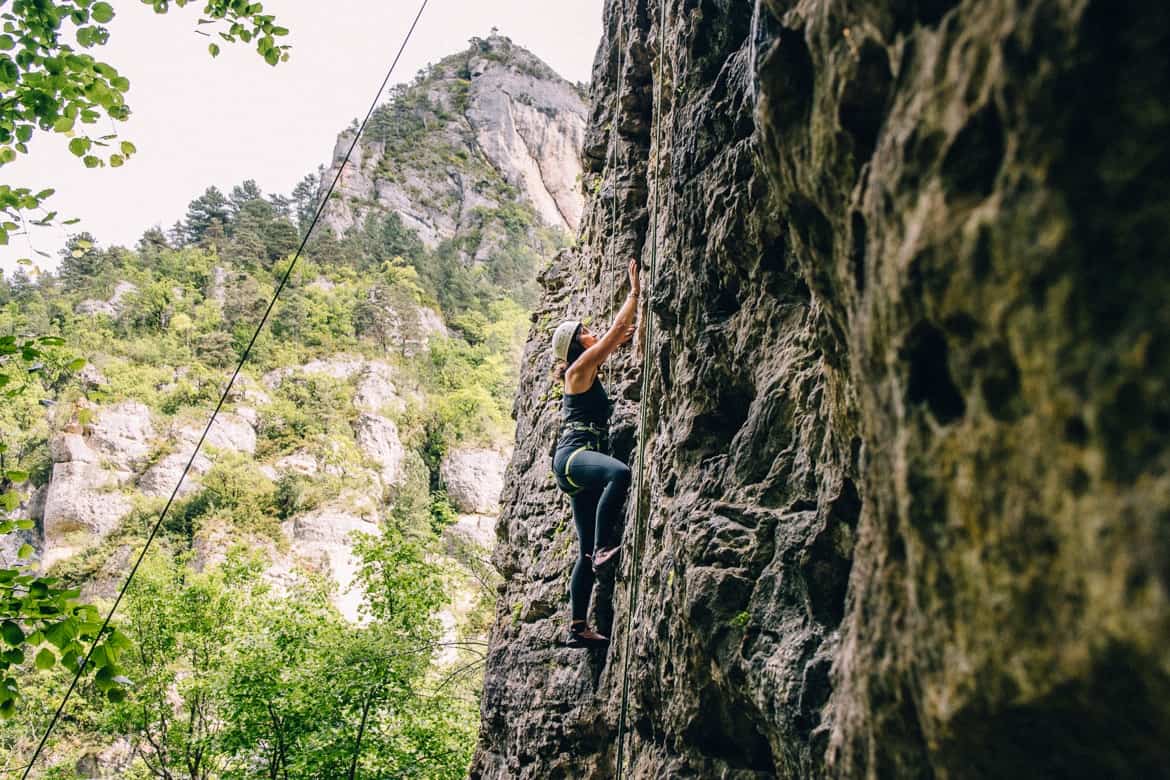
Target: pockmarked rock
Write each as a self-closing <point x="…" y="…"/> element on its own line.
<point x="906" y="478"/>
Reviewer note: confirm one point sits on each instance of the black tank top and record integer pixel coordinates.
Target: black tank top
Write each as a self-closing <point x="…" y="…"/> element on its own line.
<point x="585" y="418"/>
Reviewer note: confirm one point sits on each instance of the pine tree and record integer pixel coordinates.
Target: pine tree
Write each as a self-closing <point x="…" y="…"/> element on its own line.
<point x="304" y="199"/>
<point x="209" y="207"/>
<point x="153" y="240"/>
<point x="243" y="194"/>
<point x="81" y="262"/>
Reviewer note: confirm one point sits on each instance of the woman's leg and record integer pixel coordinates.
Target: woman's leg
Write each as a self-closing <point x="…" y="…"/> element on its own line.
<point x="595" y="471"/>
<point x="581" y="585"/>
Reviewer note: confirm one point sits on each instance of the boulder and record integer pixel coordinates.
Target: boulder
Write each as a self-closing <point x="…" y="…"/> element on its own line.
<point x="229" y="433"/>
<point x="160" y="479"/>
<point x="474" y="478"/>
<point x="377" y="437"/>
<point x="376" y="390"/>
<point x="300" y="462"/>
<point x="323" y="540"/>
<point x="122" y="433"/>
<point x="81" y="497"/>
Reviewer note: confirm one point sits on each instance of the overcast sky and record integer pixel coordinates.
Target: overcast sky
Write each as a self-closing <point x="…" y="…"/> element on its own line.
<point x="198" y="121"/>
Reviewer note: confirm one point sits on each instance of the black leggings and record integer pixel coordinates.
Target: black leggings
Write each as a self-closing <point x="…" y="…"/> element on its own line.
<point x="597" y="485"/>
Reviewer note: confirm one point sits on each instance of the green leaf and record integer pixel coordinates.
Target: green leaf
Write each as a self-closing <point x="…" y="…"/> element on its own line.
<point x="91" y="161"/>
<point x="128" y="148"/>
<point x="25" y="551"/>
<point x="102" y="12"/>
<point x="77" y="365"/>
<point x="15" y="475"/>
<point x="79" y="146"/>
<point x="214" y="49"/>
<point x="45" y="659"/>
<point x="117" y="160"/>
<point x="12" y="633"/>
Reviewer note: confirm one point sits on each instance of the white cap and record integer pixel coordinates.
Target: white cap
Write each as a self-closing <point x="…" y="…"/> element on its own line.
<point x="563" y="338"/>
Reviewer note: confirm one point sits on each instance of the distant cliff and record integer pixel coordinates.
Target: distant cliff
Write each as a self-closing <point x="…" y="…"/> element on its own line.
<point x="471" y="133"/>
<point x="909" y="422"/>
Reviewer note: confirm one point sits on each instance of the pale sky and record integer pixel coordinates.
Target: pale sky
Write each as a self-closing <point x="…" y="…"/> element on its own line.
<point x="198" y="121"/>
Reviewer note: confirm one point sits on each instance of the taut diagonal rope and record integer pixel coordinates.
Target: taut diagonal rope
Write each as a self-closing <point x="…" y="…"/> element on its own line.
<point x="222" y="399"/>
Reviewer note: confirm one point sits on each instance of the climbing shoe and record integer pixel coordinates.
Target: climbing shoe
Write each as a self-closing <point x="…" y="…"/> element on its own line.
<point x="581" y="635"/>
<point x="602" y="556"/>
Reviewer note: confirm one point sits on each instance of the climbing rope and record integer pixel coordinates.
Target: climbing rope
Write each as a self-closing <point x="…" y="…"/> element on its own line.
<point x="643" y="506"/>
<point x="610" y="267"/>
<point x="222" y="399"/>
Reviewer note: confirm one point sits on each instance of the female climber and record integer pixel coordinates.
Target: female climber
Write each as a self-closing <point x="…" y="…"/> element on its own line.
<point x="595" y="482"/>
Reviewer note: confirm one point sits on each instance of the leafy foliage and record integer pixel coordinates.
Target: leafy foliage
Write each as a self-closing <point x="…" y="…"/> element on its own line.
<point x="49" y="82"/>
<point x="42" y="624"/>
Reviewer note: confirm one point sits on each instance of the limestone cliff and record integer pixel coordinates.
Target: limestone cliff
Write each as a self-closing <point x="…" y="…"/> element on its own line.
<point x="907" y="449"/>
<point x="474" y="131"/>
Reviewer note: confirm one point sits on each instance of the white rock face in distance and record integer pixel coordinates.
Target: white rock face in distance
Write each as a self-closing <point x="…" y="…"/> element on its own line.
<point x="83" y="495"/>
<point x="112" y="307"/>
<point x="532" y="130"/>
<point x="528" y="122"/>
<point x="377" y="437"/>
<point x="229" y="433"/>
<point x="323" y="541"/>
<point x="376" y="390"/>
<point x="122" y="433"/>
<point x="474" y="478"/>
<point x="339" y="366"/>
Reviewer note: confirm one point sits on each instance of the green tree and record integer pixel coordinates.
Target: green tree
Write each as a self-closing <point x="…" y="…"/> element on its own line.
<point x="81" y="262"/>
<point x="49" y="81"/>
<point x="203" y="213"/>
<point x="304" y="200"/>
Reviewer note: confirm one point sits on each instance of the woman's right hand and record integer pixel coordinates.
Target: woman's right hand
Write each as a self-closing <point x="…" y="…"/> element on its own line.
<point x="626" y="335"/>
<point x="635" y="286"/>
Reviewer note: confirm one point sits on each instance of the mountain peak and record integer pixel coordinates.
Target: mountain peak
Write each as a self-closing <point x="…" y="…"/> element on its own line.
<point x="485" y="128"/>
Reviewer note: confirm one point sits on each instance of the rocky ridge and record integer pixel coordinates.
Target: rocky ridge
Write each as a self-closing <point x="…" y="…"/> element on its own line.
<point x="907" y="456"/>
<point x="478" y="129"/>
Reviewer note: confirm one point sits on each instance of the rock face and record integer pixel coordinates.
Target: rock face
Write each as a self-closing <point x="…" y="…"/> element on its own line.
<point x="492" y="111"/>
<point x="474" y="478"/>
<point x="89" y="469"/>
<point x="907" y="442"/>
<point x="323" y="539"/>
<point x="377" y="437"/>
<point x="111" y="307"/>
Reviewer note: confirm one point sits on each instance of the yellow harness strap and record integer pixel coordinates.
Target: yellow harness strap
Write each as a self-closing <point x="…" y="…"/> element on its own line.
<point x="569" y="463"/>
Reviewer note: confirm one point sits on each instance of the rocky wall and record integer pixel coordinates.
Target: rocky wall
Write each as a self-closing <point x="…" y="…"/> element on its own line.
<point x="909" y="512"/>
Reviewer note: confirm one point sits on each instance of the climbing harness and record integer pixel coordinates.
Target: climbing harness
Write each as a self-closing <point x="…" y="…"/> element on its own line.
<point x="222" y="399"/>
<point x="595" y="446"/>
<point x="642" y="509"/>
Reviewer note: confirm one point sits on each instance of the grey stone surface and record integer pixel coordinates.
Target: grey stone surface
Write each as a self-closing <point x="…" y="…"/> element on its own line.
<point x="516" y="114"/>
<point x="322" y="541"/>
<point x="474" y="477"/>
<point x="378" y="439"/>
<point x="907" y="452"/>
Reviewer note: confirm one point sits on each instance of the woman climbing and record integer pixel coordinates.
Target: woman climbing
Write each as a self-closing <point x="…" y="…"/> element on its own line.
<point x="596" y="483"/>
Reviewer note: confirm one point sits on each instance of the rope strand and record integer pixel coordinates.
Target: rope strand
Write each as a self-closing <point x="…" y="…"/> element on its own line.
<point x="610" y="267"/>
<point x="222" y="400"/>
<point x="642" y="510"/>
